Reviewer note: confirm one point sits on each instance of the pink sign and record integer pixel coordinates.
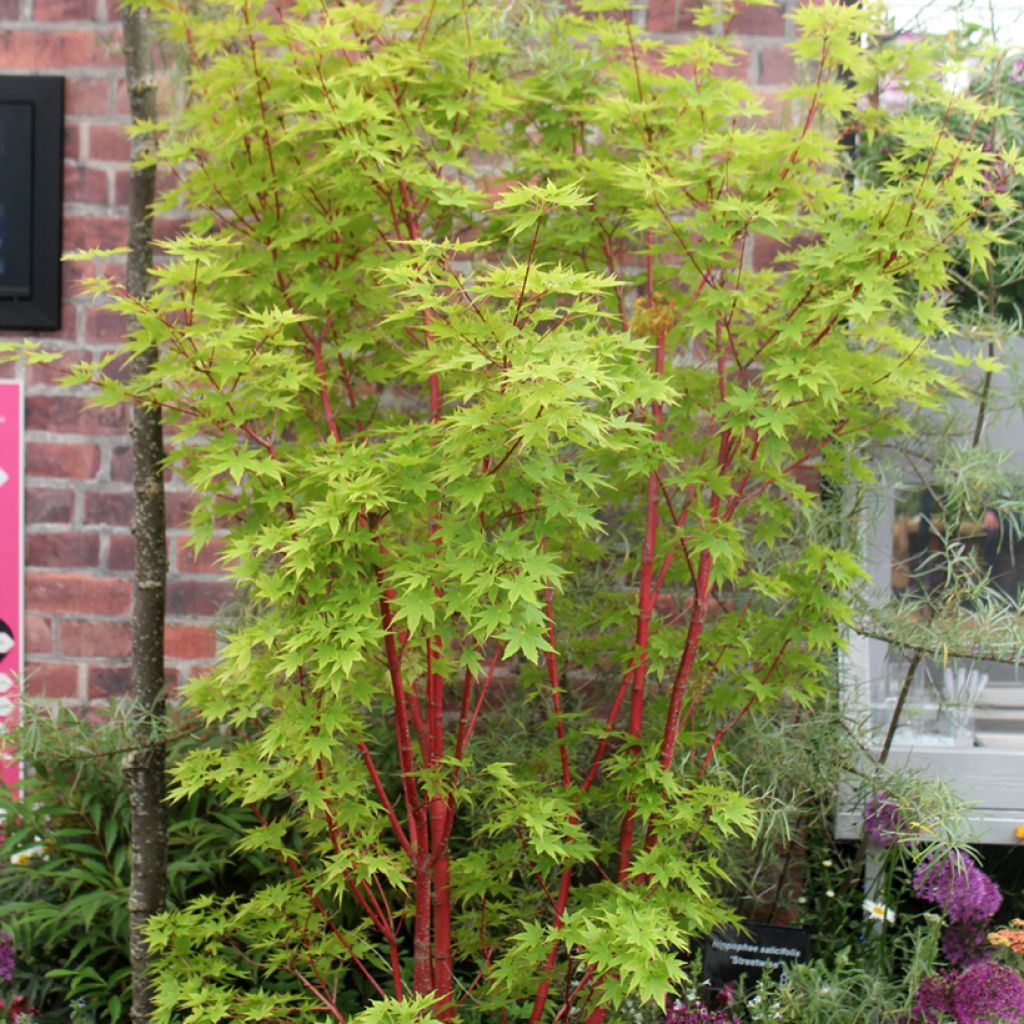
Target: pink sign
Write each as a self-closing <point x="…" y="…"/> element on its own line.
<point x="11" y="575"/>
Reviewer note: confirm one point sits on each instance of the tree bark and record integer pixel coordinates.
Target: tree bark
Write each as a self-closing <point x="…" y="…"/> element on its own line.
<point x="144" y="766"/>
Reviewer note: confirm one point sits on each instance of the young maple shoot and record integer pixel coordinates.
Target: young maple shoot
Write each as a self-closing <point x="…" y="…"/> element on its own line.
<point x="507" y="438"/>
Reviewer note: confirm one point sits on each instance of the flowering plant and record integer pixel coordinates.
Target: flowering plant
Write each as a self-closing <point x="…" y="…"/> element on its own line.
<point x="969" y="899"/>
<point x="963" y="891"/>
<point x="984" y="992"/>
<point x="1011" y="938"/>
<point x="697" y="1013"/>
<point x="17" y="1010"/>
<point x="883" y="820"/>
<point x="876" y="911"/>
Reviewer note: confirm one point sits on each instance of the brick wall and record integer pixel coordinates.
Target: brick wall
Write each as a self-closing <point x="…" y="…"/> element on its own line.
<point x="78" y="543"/>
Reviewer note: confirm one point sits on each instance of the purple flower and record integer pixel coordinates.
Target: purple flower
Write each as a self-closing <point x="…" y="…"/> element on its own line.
<point x="6" y="956"/>
<point x="883" y="822"/>
<point x="1017" y="72"/>
<point x="963" y="891"/>
<point x="934" y="999"/>
<point x="965" y="944"/>
<point x="989" y="991"/>
<point x="697" y="1013"/>
<point x="985" y="993"/>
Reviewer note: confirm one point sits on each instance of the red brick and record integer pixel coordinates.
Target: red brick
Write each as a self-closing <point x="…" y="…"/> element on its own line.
<point x="123" y="185"/>
<point x="196" y="598"/>
<point x="738" y="68"/>
<point x="671" y="15"/>
<point x="180" y="505"/>
<point x="122" y="105"/>
<point x="72" y="141"/>
<point x="777" y="66"/>
<point x="74" y="274"/>
<point x="64" y="10"/>
<point x="8" y="9"/>
<point x="57" y="550"/>
<point x="69" y="415"/>
<point x="120" y="368"/>
<point x="49" y="505"/>
<point x="69" y="461"/>
<point x="167" y="227"/>
<point x="203" y="560"/>
<point x="86" y="96"/>
<point x="104" y="327"/>
<point x="68" y="321"/>
<point x="38" y="634"/>
<point x="50" y="374"/>
<point x="85" y="638"/>
<point x="809" y="477"/>
<point x="25" y="50"/>
<point x="121" y="464"/>
<point x="190" y="643"/>
<point x="109" y="509"/>
<point x="758" y="21"/>
<point x="767" y="250"/>
<point x="121" y="553"/>
<point x="109" y="142"/>
<point x="109" y="681"/>
<point x="778" y="109"/>
<point x="90" y="231"/>
<point x="51" y="679"/>
<point x="85" y="184"/>
<point x="75" y="592"/>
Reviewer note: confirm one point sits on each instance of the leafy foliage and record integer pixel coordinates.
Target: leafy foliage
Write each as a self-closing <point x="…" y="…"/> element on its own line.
<point x="470" y="362"/>
<point x="64" y="886"/>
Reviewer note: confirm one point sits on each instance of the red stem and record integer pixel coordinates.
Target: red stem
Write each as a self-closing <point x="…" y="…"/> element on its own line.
<point x="645" y="605"/>
<point x="323" y="912"/>
<point x="686" y="663"/>
<point x="545" y="986"/>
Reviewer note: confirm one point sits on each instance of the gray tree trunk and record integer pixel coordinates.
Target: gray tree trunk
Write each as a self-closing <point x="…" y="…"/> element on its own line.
<point x="144" y="766"/>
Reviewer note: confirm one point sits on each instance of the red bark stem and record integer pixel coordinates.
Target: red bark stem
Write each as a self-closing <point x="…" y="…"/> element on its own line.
<point x="545" y="986"/>
<point x="405" y="756"/>
<point x="320" y="909"/>
<point x="645" y="602"/>
<point x="686" y="663"/>
<point x="378" y="785"/>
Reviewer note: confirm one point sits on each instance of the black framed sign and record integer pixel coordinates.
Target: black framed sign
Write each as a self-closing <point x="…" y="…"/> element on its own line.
<point x="750" y="951"/>
<point x="31" y="197"/>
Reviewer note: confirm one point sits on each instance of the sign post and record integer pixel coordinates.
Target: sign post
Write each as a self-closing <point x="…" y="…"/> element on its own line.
<point x="11" y="574"/>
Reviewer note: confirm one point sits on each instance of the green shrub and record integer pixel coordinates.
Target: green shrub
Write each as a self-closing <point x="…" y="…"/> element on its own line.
<point x="65" y="862"/>
<point x="468" y="359"/>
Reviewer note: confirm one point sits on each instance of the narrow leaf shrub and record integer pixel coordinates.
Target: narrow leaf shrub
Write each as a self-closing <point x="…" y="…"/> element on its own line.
<point x="66" y="861"/>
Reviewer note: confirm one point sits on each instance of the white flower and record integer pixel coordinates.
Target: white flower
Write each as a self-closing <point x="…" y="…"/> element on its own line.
<point x="830" y="893"/>
<point x="24" y="856"/>
<point x="826" y="863"/>
<point x="879" y="912"/>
